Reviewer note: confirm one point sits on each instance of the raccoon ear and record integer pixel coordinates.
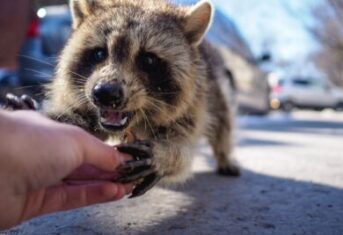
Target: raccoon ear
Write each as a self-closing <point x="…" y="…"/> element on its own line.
<point x="198" y="21"/>
<point x="80" y="9"/>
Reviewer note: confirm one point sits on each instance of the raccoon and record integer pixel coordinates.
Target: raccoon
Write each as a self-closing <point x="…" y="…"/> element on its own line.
<point x="142" y="69"/>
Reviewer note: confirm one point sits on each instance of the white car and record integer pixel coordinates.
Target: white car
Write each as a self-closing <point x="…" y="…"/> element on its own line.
<point x="306" y="93"/>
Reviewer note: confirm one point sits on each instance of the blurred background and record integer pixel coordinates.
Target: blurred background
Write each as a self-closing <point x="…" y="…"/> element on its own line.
<point x="284" y="61"/>
<point x="279" y="55"/>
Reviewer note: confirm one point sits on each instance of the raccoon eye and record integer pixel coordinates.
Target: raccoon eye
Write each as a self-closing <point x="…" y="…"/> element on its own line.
<point x="98" y="55"/>
<point x="148" y="61"/>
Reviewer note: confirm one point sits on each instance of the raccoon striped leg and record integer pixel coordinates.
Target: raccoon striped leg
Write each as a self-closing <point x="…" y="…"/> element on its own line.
<point x="24" y="102"/>
<point x="220" y="138"/>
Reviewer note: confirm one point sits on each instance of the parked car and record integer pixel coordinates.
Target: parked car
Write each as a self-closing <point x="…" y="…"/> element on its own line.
<point x="306" y="93"/>
<point x="249" y="83"/>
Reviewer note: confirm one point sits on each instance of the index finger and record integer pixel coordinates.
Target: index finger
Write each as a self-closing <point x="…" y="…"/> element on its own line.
<point x="99" y="154"/>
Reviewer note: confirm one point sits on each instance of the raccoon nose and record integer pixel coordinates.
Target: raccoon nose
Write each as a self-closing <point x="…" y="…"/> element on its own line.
<point x="108" y="94"/>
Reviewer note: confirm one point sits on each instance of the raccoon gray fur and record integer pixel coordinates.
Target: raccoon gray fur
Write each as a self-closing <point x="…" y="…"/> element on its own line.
<point x="143" y="67"/>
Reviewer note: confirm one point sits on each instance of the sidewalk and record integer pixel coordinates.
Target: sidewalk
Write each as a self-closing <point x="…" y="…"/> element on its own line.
<point x="292" y="183"/>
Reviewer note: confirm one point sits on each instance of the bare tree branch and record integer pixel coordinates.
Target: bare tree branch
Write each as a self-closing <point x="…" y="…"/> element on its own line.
<point x="328" y="31"/>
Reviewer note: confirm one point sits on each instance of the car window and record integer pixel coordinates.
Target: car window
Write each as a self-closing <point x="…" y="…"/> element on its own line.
<point x="301" y="82"/>
<point x="322" y="85"/>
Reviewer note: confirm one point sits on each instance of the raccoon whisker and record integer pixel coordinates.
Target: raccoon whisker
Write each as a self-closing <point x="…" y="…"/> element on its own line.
<point x="154" y="101"/>
<point x="177" y="125"/>
<point x="81" y="87"/>
<point x="67" y="109"/>
<point x="78" y="76"/>
<point x="77" y="103"/>
<point x="36" y="59"/>
<point x="83" y="100"/>
<point x="25" y="87"/>
<point x="155" y="106"/>
<point x="40" y="94"/>
<point x="78" y="81"/>
<point x="138" y="96"/>
<point x="166" y="93"/>
<point x="52" y="65"/>
<point x="144" y="118"/>
<point x="148" y="122"/>
<point x="43" y="85"/>
<point x="46" y="75"/>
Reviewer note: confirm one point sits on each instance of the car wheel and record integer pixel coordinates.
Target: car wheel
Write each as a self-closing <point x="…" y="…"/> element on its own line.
<point x="287" y="106"/>
<point x="339" y="107"/>
<point x="319" y="109"/>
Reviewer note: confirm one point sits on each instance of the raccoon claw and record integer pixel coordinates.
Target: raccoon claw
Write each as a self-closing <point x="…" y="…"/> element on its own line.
<point x="29" y="102"/>
<point x="148" y="182"/>
<point x="140" y="169"/>
<point x="135" y="170"/>
<point x="138" y="149"/>
<point x="24" y="102"/>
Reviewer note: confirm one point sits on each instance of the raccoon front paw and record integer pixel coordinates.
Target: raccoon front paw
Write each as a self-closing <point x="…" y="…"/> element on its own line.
<point x="230" y="170"/>
<point x="24" y="102"/>
<point x="141" y="169"/>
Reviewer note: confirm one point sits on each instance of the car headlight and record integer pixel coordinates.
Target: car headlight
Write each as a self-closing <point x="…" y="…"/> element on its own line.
<point x="275" y="103"/>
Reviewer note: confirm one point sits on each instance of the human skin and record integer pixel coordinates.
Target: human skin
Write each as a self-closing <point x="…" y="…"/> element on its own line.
<point x="48" y="167"/>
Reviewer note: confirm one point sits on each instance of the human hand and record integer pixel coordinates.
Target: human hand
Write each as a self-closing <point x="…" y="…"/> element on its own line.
<point x="47" y="167"/>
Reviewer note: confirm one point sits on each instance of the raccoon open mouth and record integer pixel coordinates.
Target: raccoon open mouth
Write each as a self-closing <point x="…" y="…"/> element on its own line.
<point x="114" y="120"/>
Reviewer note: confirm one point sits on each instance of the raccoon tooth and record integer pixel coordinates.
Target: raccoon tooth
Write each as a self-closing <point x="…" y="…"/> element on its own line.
<point x="123" y="121"/>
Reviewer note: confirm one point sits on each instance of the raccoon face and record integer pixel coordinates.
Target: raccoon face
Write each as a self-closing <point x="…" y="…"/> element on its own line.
<point x="135" y="61"/>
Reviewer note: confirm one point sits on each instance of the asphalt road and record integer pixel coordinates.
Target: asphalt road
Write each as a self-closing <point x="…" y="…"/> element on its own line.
<point x="292" y="183"/>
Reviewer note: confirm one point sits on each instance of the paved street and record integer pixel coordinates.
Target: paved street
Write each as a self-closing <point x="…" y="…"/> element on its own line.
<point x="292" y="183"/>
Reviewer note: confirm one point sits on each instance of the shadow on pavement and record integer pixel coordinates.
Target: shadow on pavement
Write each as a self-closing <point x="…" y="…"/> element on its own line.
<point x="248" y="141"/>
<point x="256" y="204"/>
<point x="210" y="204"/>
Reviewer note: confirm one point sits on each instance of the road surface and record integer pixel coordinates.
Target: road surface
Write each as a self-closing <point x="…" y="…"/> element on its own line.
<point x="291" y="183"/>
